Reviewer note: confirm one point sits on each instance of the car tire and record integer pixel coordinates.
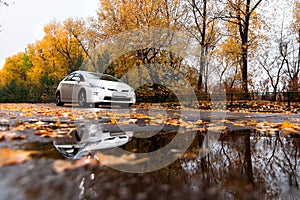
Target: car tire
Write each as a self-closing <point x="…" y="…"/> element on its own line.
<point x="95" y="105"/>
<point x="82" y="98"/>
<point x="58" y="100"/>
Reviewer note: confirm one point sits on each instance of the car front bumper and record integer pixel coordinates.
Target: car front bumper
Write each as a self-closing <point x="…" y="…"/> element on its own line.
<point x="104" y="96"/>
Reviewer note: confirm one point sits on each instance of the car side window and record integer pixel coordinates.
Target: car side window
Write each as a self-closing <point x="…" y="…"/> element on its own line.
<point x="69" y="78"/>
<point x="79" y="76"/>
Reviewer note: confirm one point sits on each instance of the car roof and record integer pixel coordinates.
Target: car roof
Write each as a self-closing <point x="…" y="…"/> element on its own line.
<point x="86" y="72"/>
<point x="89" y="72"/>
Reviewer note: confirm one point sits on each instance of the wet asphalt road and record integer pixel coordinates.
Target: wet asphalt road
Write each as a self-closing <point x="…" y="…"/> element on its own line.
<point x="36" y="178"/>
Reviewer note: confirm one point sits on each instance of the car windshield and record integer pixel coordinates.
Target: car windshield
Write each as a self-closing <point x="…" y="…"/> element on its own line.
<point x="101" y="77"/>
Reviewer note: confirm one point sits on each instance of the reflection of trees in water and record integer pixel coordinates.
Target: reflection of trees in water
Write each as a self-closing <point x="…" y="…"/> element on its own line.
<point x="253" y="167"/>
<point x="238" y="167"/>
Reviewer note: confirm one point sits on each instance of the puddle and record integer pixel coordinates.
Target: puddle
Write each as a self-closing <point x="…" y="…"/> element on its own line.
<point x="244" y="166"/>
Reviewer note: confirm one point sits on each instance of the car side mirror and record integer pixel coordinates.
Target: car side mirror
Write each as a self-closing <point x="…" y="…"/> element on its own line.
<point x="76" y="79"/>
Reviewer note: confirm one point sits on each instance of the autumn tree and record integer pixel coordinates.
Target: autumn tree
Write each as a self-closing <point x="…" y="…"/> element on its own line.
<point x="125" y="23"/>
<point x="225" y="68"/>
<point x="117" y="16"/>
<point x="16" y="68"/>
<point x="274" y="67"/>
<point x="204" y="28"/>
<point x="62" y="39"/>
<point x="56" y="55"/>
<point x="14" y="78"/>
<point x="240" y="14"/>
<point x="86" y="34"/>
<point x="293" y="49"/>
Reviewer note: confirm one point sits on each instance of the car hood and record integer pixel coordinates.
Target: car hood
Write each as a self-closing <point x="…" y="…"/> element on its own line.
<point x="112" y="85"/>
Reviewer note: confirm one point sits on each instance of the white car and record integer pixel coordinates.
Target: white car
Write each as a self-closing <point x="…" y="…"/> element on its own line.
<point x="86" y="88"/>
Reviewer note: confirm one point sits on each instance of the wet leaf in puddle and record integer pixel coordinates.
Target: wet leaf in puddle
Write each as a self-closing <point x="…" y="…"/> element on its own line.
<point x="190" y="155"/>
<point x="9" y="156"/>
<point x="17" y="137"/>
<point x="63" y="165"/>
<point x="114" y="160"/>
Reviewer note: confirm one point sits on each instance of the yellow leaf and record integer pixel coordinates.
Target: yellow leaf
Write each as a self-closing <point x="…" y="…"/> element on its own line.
<point x="113" y="120"/>
<point x="27" y="114"/>
<point x="217" y="128"/>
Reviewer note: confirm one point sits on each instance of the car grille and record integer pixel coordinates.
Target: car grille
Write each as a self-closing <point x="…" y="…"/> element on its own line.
<point x="117" y="99"/>
<point x="114" y="90"/>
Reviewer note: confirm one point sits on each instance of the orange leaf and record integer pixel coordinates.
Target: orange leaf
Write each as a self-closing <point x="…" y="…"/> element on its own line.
<point x="287" y="124"/>
<point x="9" y="156"/>
<point x="118" y="160"/>
<point x="113" y="120"/>
<point x="62" y="165"/>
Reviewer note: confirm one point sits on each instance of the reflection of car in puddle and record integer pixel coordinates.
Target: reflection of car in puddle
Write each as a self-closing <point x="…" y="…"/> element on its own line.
<point x="90" y="138"/>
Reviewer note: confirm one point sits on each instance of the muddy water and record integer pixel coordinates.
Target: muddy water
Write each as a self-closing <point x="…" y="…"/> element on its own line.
<point x="243" y="166"/>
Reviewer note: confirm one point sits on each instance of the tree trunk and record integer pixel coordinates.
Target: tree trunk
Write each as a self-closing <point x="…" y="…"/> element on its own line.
<point x="203" y="46"/>
<point x="248" y="159"/>
<point x="201" y="70"/>
<point x="244" y="69"/>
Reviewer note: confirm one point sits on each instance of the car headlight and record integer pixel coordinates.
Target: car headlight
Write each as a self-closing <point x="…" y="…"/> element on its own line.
<point x="93" y="85"/>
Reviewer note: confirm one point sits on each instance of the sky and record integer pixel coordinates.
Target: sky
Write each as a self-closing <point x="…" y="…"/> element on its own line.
<point x="23" y="21"/>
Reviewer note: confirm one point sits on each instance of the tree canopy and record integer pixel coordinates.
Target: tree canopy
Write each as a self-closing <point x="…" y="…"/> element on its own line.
<point x="235" y="45"/>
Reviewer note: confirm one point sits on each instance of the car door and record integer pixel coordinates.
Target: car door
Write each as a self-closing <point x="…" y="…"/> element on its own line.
<point x="77" y="86"/>
<point x="67" y="88"/>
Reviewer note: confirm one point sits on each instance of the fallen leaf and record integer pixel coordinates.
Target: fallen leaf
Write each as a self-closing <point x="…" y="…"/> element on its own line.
<point x="114" y="160"/>
<point x="17" y="137"/>
<point x="251" y="123"/>
<point x="217" y="128"/>
<point x="238" y="124"/>
<point x="113" y="120"/>
<point x="47" y="133"/>
<point x="62" y="165"/>
<point x="41" y="132"/>
<point x="27" y="114"/>
<point x="287" y="124"/>
<point x="9" y="156"/>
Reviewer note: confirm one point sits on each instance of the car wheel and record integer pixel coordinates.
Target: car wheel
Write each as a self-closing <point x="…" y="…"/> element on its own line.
<point x="82" y="99"/>
<point x="95" y="105"/>
<point x="58" y="100"/>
